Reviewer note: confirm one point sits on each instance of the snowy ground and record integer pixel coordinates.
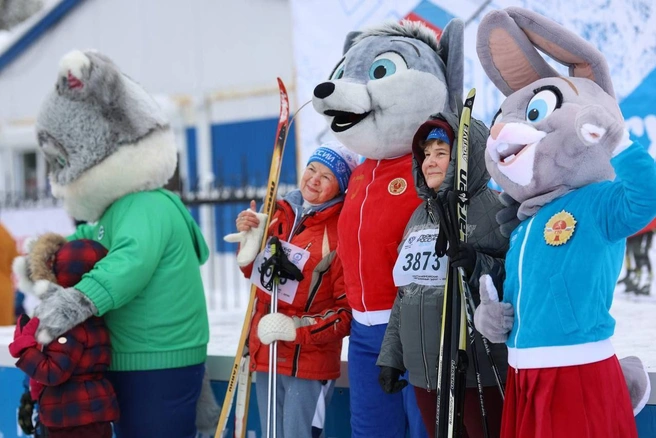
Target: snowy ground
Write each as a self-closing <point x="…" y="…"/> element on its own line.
<point x="634" y="333"/>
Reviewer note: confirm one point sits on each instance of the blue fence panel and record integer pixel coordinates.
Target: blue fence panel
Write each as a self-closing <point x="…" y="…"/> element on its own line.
<point x="241" y="156"/>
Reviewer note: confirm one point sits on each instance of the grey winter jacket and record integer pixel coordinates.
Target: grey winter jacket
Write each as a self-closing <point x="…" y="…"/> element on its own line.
<point x="412" y="337"/>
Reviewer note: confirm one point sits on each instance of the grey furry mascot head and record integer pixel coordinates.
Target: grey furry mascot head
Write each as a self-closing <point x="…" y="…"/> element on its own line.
<point x="103" y="136"/>
<point x="391" y="78"/>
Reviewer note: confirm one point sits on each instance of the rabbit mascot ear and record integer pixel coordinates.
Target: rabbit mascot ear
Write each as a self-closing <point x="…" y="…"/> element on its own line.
<point x="507" y="44"/>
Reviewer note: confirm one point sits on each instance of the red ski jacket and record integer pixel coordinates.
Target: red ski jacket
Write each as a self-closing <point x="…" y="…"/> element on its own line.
<point x="320" y="298"/>
<point x="72" y="369"/>
<point x="380" y="199"/>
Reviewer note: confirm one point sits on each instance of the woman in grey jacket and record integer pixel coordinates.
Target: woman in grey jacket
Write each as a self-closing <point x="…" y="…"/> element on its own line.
<point x="412" y="337"/>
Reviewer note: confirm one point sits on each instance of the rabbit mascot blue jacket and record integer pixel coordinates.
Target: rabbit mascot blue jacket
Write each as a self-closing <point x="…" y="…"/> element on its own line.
<point x="559" y="148"/>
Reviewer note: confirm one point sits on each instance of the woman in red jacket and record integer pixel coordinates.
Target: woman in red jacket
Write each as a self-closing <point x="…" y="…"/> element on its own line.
<point x="313" y="314"/>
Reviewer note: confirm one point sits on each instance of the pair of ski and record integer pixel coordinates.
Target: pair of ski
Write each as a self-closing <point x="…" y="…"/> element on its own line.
<point x="458" y="309"/>
<point x="240" y="375"/>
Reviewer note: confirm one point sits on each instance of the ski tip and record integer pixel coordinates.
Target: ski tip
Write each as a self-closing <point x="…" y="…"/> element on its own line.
<point x="281" y="85"/>
<point x="469" y="101"/>
<point x="284" y="102"/>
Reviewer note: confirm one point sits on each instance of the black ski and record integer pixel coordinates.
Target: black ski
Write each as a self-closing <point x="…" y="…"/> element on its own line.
<point x="452" y="360"/>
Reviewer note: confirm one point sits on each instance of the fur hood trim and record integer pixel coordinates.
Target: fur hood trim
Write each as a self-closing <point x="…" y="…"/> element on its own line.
<point x="146" y="165"/>
<point x="42" y="256"/>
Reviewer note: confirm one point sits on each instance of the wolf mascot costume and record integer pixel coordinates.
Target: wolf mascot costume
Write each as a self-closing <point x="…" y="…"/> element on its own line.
<point x="109" y="151"/>
<point x="558" y="147"/>
<point x="390" y="80"/>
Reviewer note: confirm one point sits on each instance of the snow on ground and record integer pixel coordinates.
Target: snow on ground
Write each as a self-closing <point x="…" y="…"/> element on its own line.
<point x="634" y="333"/>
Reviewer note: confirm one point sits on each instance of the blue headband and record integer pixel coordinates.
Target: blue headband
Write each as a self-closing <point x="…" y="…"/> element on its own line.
<point x="336" y="163"/>
<point x="439" y="134"/>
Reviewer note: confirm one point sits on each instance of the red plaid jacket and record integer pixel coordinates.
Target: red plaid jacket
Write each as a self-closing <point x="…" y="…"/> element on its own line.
<point x="72" y="369"/>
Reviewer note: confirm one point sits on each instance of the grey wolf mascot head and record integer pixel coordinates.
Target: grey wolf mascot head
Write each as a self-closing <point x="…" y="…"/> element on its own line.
<point x="391" y="78"/>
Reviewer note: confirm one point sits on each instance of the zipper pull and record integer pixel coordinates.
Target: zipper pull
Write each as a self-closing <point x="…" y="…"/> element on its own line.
<point x="308" y="246"/>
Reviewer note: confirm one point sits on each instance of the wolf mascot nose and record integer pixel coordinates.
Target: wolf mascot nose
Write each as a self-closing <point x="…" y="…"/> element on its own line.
<point x="324" y="90"/>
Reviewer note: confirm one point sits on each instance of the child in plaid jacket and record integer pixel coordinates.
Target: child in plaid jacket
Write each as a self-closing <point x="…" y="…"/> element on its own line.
<point x="67" y="376"/>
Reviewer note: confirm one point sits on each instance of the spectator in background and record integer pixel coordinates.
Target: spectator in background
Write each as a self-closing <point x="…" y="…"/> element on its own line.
<point x="639" y="275"/>
<point x="8" y="253"/>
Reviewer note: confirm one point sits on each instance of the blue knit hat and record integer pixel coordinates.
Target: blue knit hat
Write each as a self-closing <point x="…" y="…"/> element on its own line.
<point x="439" y="134"/>
<point x="338" y="159"/>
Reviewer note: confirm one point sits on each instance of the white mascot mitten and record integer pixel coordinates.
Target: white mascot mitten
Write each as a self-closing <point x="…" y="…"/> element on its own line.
<point x="249" y="241"/>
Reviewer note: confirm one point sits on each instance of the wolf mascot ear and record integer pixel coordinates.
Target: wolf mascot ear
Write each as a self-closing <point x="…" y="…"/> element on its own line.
<point x="452" y="54"/>
<point x="350" y="40"/>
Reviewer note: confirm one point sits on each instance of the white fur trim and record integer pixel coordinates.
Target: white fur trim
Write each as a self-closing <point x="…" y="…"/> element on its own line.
<point x="146" y="165"/>
<point x="19" y="268"/>
<point x="74" y="62"/>
<point x="559" y="356"/>
<point x="41" y="287"/>
<point x="592" y="133"/>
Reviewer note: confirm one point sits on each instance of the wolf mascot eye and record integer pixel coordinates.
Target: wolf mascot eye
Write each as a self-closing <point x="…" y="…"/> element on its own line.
<point x="386" y="65"/>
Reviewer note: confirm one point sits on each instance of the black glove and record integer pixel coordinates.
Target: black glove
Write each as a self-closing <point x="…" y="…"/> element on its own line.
<point x="388" y="379"/>
<point x="25" y="410"/>
<point x="464" y="256"/>
<point x="507" y="216"/>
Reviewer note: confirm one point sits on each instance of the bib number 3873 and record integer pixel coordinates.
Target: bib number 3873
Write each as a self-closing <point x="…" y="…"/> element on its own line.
<point x="417" y="262"/>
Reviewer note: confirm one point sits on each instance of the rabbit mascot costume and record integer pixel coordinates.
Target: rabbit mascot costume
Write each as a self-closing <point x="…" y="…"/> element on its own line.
<point x="390" y="80"/>
<point x="110" y="150"/>
<point x="559" y="148"/>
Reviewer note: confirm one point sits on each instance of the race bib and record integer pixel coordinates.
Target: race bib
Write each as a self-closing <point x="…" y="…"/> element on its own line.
<point x="417" y="262"/>
<point x="286" y="288"/>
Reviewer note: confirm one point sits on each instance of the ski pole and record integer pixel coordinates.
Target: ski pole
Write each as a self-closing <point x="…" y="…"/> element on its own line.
<point x="272" y="400"/>
<point x="472" y="341"/>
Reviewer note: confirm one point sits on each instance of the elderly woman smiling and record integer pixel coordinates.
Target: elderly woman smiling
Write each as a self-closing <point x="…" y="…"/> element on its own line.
<point x="313" y="314"/>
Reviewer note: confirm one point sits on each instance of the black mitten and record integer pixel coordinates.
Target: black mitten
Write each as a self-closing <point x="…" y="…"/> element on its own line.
<point x="388" y="379"/>
<point x="463" y="257"/>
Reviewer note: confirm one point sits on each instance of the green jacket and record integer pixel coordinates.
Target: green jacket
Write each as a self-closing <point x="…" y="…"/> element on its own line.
<point x="149" y="287"/>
